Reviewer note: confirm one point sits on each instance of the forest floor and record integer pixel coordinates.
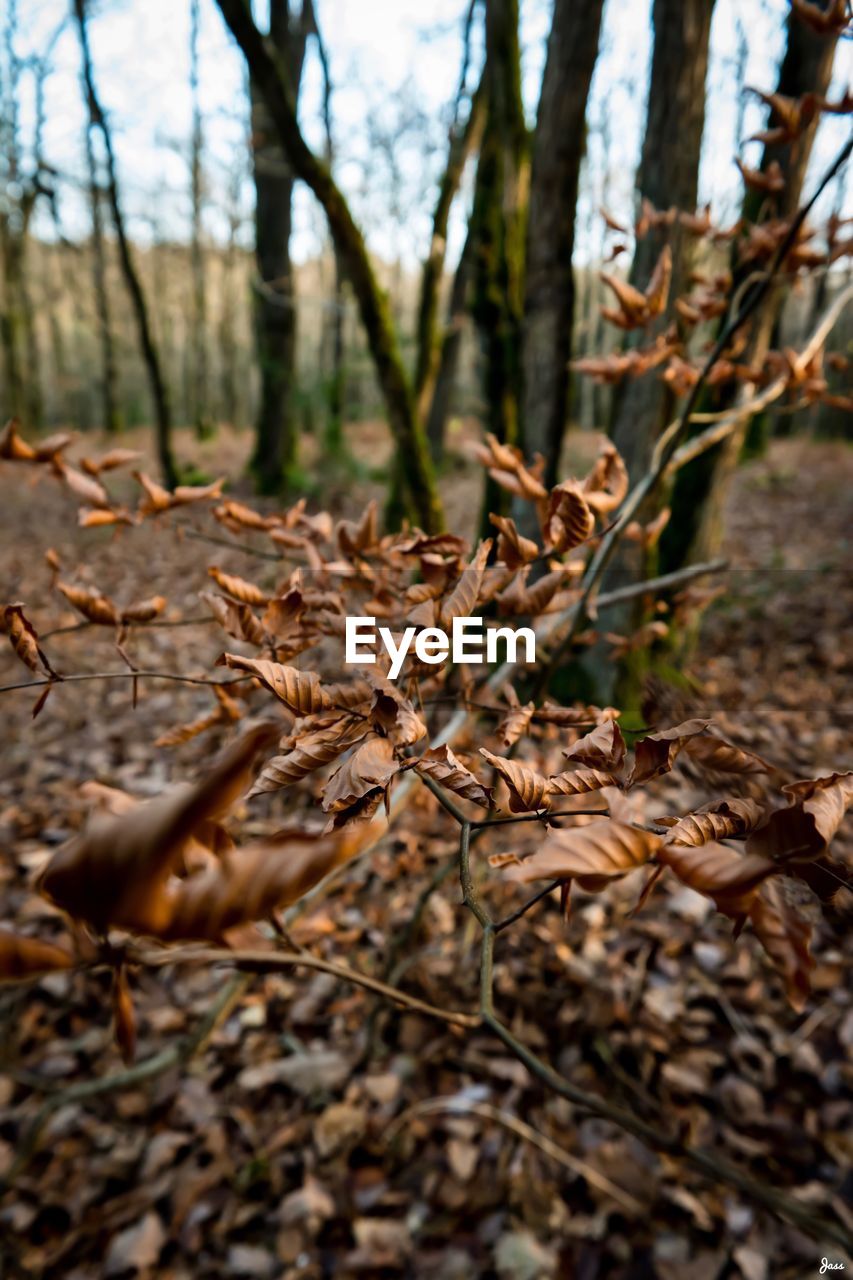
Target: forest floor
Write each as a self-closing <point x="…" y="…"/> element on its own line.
<point x="282" y="1147"/>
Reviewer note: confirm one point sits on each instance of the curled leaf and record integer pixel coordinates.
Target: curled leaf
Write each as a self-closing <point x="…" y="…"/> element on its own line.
<point x="785" y="936"/>
<point x="716" y="821"/>
<point x="372" y="765"/>
<point x="24" y="638"/>
<point x="300" y="691"/>
<point x="528" y="790"/>
<point x="602" y="748"/>
<point x="440" y="764"/>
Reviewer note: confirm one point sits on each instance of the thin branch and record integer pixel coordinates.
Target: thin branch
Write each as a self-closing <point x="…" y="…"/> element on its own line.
<point x="125" y="675"/>
<point x="461" y="1106"/>
<point x="500" y="925"/>
<point x="272" y="961"/>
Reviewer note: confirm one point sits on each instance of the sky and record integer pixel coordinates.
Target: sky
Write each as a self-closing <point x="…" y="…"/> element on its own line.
<point x="395" y="68"/>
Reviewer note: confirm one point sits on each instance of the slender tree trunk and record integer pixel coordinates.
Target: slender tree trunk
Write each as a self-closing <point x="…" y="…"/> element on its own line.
<point x="200" y="395"/>
<point x="668" y="176"/>
<point x="150" y="354"/>
<point x="109" y="371"/>
<point x="696" y="527"/>
<point x="333" y="434"/>
<point x="549" y="295"/>
<point x="275" y="303"/>
<point x="271" y="78"/>
<point x="463" y="143"/>
<point x="227" y="337"/>
<point x="500" y="202"/>
<point x="451" y="345"/>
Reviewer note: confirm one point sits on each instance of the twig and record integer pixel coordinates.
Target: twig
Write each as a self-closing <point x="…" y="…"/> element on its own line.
<point x="125" y="675"/>
<point x="270" y="961"/>
<point x="232" y="545"/>
<point x="500" y="925"/>
<point x="137" y="626"/>
<point x="462" y="1107"/>
<point x="726" y="421"/>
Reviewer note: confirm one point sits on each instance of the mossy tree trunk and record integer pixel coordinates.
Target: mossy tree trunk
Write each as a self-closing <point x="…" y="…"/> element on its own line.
<point x="200" y="390"/>
<point x="271" y="79"/>
<point x="276" y="431"/>
<point x="498" y="228"/>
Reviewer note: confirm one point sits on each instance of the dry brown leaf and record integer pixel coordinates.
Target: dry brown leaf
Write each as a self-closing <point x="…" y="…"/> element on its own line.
<point x="513" y="549"/>
<point x="463" y="598"/>
<point x="115" y="871"/>
<point x="440" y="764"/>
<point x="607" y="483"/>
<point x="22" y="957"/>
<point x="311" y="751"/>
<point x="24" y="638"/>
<point x="13" y="447"/>
<point x="300" y="691"/>
<point x="371" y="765"/>
<point x="577" y="782"/>
<point x="144" y="610"/>
<point x="656" y="753"/>
<point x="568" y="520"/>
<point x="602" y="748"/>
<point x="238" y="588"/>
<point x="785" y="936"/>
<point x="528" y="790"/>
<point x="94" y="607"/>
<point x="235" y="618"/>
<point x="592" y="855"/>
<point x="803" y="830"/>
<point x="730" y="878"/>
<point x="259" y="879"/>
<point x="716" y="821"/>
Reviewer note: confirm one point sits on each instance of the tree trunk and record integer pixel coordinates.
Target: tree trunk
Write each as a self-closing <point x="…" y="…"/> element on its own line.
<point x="668" y="175"/>
<point x="271" y="78"/>
<point x="150" y="354"/>
<point x="200" y="395"/>
<point x="500" y="201"/>
<point x="700" y="491"/>
<point x="275" y="300"/>
<point x="549" y="295"/>
<point x="448" y="360"/>
<point x="109" y="372"/>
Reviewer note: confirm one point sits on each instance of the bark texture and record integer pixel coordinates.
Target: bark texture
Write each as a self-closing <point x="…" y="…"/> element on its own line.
<point x="498" y="226"/>
<point x="275" y="302"/>
<point x="549" y="295"/>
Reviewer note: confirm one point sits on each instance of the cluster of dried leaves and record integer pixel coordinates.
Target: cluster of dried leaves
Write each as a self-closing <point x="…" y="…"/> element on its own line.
<point x="674" y="353"/>
<point x="169" y="869"/>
